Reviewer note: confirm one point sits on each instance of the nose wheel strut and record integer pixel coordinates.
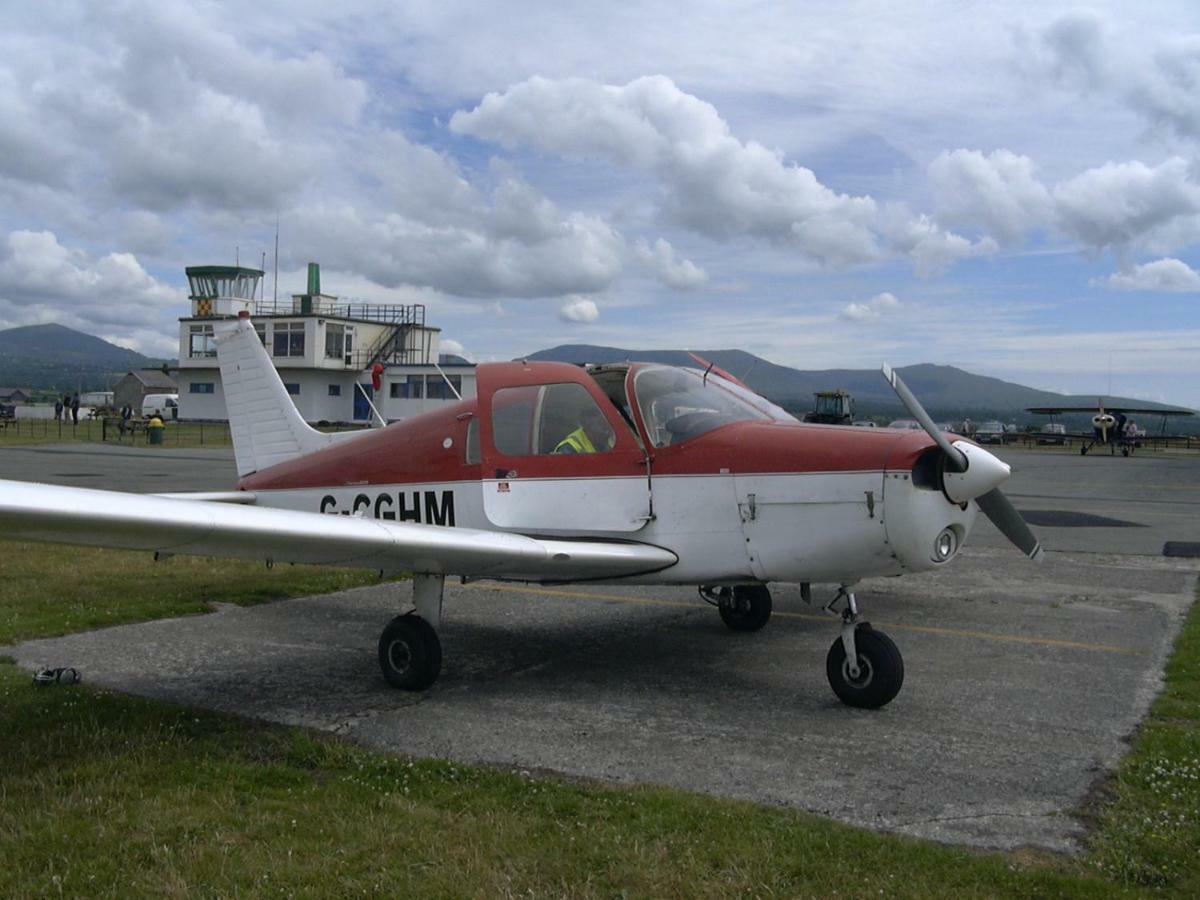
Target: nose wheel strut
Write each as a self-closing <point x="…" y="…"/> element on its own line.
<point x="864" y="666"/>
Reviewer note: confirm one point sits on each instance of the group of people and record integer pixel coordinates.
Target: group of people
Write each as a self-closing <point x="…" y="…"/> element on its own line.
<point x="68" y="406"/>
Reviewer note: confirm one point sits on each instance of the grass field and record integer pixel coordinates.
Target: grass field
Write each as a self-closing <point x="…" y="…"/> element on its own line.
<point x="105" y="795"/>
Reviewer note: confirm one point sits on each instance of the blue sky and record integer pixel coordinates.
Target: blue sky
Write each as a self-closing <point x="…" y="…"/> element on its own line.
<point x="1010" y="189"/>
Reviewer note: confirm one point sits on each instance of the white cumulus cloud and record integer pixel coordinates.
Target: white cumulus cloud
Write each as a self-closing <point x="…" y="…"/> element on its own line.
<point x="872" y="309"/>
<point x="1163" y="276"/>
<point x="1118" y="204"/>
<point x="660" y="261"/>
<point x="580" y="310"/>
<point x="997" y="191"/>
<point x="111" y="296"/>
<point x="712" y="182"/>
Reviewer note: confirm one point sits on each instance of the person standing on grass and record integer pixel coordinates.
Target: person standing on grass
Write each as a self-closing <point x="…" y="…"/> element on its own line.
<point x="75" y="410"/>
<point x="58" y="409"/>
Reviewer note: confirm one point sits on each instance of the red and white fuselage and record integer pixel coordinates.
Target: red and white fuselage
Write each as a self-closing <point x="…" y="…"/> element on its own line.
<point x="768" y="499"/>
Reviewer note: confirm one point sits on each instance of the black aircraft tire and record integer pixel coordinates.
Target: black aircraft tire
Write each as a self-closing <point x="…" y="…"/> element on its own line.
<point x="881" y="670"/>
<point x="748" y="608"/>
<point x="410" y="654"/>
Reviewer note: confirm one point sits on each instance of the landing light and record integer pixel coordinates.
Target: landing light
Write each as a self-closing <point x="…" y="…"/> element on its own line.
<point x="944" y="545"/>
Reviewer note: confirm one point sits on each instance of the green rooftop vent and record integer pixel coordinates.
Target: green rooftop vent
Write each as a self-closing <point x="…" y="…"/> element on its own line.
<point x="314" y="279"/>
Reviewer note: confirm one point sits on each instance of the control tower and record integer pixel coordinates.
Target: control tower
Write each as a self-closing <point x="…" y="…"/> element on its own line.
<point x="221" y="291"/>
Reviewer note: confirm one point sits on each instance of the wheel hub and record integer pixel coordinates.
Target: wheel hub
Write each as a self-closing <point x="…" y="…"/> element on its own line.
<point x="865" y="673"/>
<point x="399" y="656"/>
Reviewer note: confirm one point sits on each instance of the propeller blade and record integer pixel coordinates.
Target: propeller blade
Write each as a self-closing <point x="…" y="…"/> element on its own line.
<point x="1004" y="515"/>
<point x="955" y="460"/>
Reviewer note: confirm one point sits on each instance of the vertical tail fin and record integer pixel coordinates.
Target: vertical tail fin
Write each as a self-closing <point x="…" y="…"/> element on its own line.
<point x="267" y="428"/>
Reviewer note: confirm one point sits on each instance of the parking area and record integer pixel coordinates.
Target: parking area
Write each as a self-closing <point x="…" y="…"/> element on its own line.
<point x="1022" y="682"/>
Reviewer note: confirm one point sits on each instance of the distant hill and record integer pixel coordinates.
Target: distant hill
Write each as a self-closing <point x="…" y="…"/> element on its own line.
<point x="46" y="357"/>
<point x="945" y="391"/>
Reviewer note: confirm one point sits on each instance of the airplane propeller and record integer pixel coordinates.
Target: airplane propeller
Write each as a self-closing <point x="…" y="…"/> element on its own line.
<point x="1104" y="421"/>
<point x="961" y="484"/>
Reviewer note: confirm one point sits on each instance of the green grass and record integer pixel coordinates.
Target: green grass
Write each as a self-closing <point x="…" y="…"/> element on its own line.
<point x="107" y="795"/>
<point x="1149" y="832"/>
<point x="48" y="590"/>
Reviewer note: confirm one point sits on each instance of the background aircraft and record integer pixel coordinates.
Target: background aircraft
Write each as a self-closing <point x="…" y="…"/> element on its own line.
<point x="1111" y="427"/>
<point x="690" y="479"/>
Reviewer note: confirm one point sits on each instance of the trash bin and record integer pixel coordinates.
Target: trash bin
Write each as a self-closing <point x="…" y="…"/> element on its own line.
<point x="154" y="430"/>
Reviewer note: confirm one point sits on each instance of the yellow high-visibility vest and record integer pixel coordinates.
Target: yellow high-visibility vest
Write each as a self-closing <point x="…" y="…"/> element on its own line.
<point x="576" y="442"/>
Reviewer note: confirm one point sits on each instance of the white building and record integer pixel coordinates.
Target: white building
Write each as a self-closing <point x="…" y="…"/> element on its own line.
<point x="327" y="353"/>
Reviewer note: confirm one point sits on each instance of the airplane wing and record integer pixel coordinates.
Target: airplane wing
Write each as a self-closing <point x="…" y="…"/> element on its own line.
<point x="41" y="512"/>
<point x="1054" y="410"/>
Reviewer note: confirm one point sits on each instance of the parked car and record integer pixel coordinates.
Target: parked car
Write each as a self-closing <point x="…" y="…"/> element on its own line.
<point x="1054" y="433"/>
<point x="865" y="423"/>
<point x="991" y="432"/>
<point x="906" y="424"/>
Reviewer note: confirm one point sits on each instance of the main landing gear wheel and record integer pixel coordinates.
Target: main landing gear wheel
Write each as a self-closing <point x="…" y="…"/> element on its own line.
<point x="880" y="669"/>
<point x="410" y="653"/>
<point x="746" y="607"/>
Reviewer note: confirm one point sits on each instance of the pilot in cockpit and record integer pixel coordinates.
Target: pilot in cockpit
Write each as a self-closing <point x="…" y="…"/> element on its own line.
<point x="594" y="435"/>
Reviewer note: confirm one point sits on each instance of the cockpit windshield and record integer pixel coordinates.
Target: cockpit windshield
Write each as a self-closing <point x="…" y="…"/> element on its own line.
<point x="680" y="404"/>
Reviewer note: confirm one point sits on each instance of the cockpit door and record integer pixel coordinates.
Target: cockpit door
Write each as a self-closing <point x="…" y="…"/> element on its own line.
<point x="557" y="456"/>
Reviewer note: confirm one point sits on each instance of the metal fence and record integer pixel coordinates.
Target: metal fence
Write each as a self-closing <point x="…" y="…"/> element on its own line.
<point x="109" y="430"/>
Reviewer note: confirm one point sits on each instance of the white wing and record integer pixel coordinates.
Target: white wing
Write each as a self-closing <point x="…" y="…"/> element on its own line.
<point x="40" y="512"/>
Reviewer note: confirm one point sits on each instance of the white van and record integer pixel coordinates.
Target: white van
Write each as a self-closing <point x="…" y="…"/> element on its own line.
<point x="166" y="404"/>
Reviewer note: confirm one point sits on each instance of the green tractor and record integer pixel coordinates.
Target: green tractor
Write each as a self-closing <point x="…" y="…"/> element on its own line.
<point x="832" y="408"/>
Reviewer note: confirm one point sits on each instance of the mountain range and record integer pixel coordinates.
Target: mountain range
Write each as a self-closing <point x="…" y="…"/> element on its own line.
<point x="44" y="357"/>
<point x="947" y="392"/>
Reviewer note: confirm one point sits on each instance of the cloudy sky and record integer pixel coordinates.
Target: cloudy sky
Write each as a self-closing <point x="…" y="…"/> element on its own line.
<point x="1012" y="191"/>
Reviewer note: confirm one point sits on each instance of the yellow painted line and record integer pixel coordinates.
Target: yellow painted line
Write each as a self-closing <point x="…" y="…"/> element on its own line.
<point x="811" y="617"/>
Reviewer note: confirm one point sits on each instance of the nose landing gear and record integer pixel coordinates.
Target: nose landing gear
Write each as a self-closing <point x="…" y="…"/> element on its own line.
<point x="864" y="666"/>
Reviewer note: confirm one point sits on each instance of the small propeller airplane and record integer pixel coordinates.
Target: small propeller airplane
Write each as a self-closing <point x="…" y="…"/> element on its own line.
<point x="1110" y="427"/>
<point x="632" y="473"/>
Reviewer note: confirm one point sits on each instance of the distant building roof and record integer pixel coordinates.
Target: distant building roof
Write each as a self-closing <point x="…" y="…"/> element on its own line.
<point x="6" y="392"/>
<point x="154" y="378"/>
<point x="453" y="359"/>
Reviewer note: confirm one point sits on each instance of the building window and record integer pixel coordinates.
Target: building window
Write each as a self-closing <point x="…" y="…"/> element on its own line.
<point x="292" y="388"/>
<point x="201" y="343"/>
<point x="410" y="388"/>
<point x="261" y="330"/>
<point x="201" y="387"/>
<point x="335" y="341"/>
<point x="436" y="387"/>
<point x="335" y="390"/>
<point x="289" y="339"/>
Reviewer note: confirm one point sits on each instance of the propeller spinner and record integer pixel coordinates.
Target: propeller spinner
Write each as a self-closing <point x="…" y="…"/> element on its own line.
<point x="972" y="473"/>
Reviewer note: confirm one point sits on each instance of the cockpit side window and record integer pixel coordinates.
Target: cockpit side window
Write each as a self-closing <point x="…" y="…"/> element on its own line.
<point x="680" y="404"/>
<point x="549" y="419"/>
